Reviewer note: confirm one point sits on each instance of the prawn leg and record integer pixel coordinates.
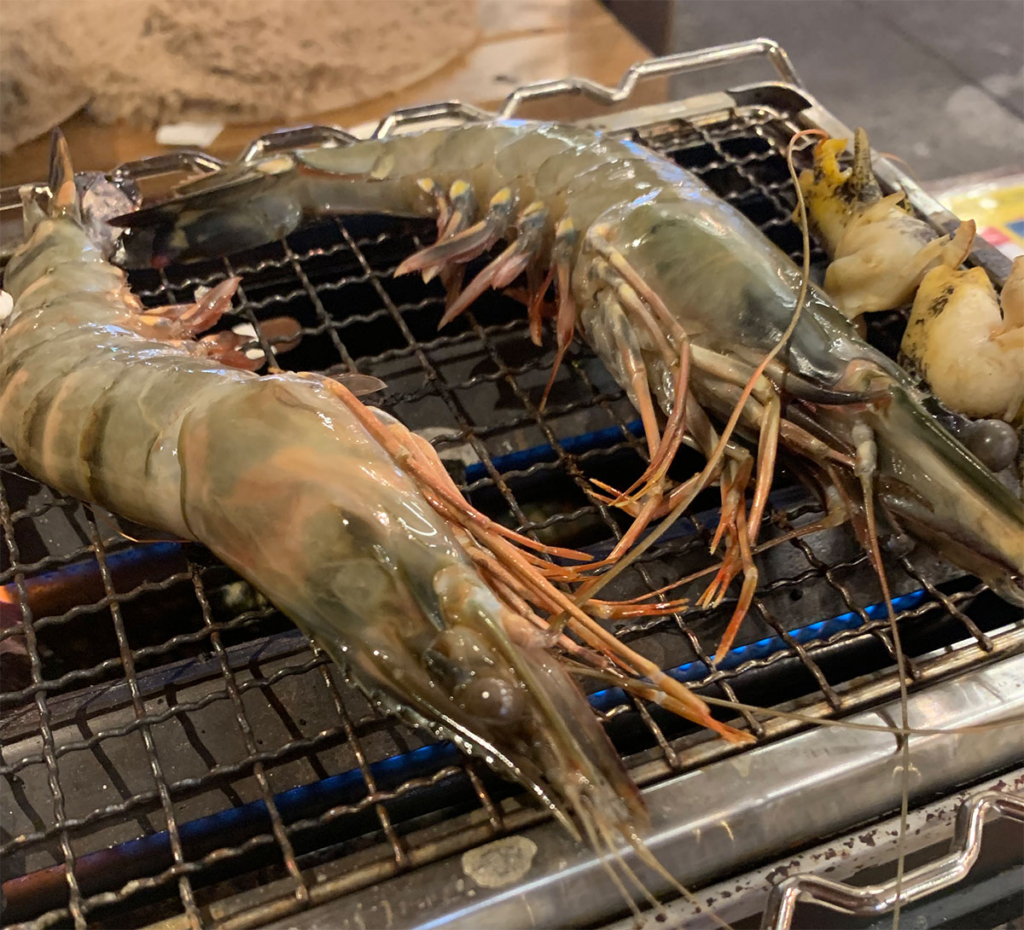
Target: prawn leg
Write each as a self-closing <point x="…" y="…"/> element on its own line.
<point x="565" y="318"/>
<point x="654" y="475"/>
<point x="597" y="237"/>
<point x="535" y="304"/>
<point x="735" y="526"/>
<point x="511" y="263"/>
<point x="179" y="324"/>
<point x="632" y="370"/>
<point x="420" y="458"/>
<point x="183" y="321"/>
<point x="227" y="348"/>
<point x="455" y="211"/>
<point x="469" y="243"/>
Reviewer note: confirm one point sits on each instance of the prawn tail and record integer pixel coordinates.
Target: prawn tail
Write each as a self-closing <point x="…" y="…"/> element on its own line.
<point x="249" y="204"/>
<point x="59" y="198"/>
<point x="63" y="195"/>
<point x="236" y="208"/>
<point x="88" y="199"/>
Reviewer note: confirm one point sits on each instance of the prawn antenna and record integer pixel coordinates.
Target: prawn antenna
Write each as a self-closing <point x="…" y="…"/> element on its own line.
<point x="866" y="475"/>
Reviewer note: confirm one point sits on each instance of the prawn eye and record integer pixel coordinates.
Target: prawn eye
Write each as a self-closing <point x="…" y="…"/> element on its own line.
<point x="994" y="442"/>
<point x="494" y="700"/>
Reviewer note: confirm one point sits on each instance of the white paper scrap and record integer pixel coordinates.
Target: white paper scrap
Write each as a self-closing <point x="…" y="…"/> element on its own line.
<point x="199" y="134"/>
<point x="364" y="130"/>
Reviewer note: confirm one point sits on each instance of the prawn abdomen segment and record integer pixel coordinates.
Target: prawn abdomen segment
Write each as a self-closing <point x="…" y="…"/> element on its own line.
<point x="243" y="206"/>
<point x="96" y="410"/>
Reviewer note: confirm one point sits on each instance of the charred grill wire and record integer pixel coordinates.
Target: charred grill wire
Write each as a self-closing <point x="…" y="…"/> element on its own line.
<point x="171" y="745"/>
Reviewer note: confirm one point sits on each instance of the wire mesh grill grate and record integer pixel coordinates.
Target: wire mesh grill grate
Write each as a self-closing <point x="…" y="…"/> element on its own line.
<point x="171" y="744"/>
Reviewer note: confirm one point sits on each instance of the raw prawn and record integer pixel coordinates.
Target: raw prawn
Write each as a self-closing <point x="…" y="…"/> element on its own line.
<point x="340" y="516"/>
<point x="682" y="298"/>
<point x="969" y="351"/>
<point x="879" y="251"/>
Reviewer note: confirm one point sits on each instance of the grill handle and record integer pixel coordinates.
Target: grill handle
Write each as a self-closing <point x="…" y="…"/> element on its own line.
<point x="656" y="67"/>
<point x="871" y="900"/>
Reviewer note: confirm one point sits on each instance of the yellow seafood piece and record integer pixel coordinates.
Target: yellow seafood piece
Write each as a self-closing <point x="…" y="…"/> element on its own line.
<point x="970" y="353"/>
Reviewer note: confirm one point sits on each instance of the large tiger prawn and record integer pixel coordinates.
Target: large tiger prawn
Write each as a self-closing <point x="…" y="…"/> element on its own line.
<point x="682" y="298"/>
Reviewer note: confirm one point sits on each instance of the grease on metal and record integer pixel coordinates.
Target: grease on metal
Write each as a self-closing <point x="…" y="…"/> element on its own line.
<point x="500" y="863"/>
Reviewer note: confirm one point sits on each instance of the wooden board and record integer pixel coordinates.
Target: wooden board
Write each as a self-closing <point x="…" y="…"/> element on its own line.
<point x="521" y="41"/>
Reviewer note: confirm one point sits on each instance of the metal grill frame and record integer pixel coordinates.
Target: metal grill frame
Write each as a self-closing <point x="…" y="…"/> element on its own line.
<point x="294" y="891"/>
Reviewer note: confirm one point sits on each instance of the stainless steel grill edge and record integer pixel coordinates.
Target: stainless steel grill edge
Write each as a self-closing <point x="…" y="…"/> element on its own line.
<point x="750" y="807"/>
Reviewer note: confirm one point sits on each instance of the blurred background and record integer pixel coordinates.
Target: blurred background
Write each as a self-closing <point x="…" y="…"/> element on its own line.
<point x="939" y="83"/>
